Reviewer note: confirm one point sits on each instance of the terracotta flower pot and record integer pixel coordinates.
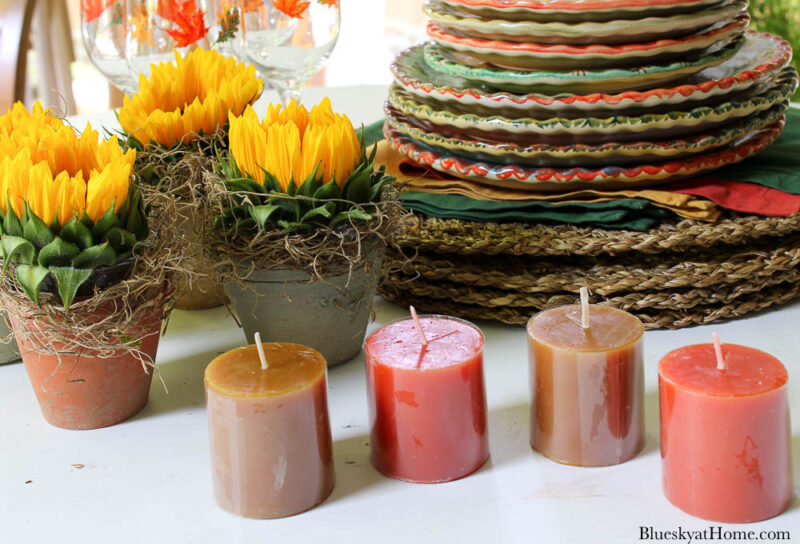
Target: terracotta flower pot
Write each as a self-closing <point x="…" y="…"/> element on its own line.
<point x="330" y="316"/>
<point x="88" y="392"/>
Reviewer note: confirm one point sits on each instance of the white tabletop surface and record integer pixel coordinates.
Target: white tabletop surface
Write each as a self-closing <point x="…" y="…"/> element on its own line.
<point x="148" y="480"/>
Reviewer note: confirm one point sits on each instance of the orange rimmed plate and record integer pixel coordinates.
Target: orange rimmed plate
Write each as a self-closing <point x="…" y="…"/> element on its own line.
<point x="560" y="179"/>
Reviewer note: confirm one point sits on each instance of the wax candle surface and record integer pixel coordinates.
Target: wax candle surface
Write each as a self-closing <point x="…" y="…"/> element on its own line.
<point x="587" y="385"/>
<point x="270" y="433"/>
<point x="725" y="436"/>
<point x="427" y="406"/>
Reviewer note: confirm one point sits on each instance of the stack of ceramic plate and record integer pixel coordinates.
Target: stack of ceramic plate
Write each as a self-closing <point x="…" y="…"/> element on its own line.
<point x="553" y="94"/>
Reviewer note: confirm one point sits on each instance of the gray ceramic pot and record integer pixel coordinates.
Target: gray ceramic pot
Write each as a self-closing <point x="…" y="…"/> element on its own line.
<point x="8" y="352"/>
<point x="330" y="316"/>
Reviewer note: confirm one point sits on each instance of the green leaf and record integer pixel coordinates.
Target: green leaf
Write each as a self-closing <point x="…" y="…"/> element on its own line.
<point x="69" y="280"/>
<point x="245" y="186"/>
<point x="355" y="215"/>
<point x="309" y="186"/>
<point x="77" y="233"/>
<point x="121" y="240"/>
<point x="108" y="221"/>
<point x="100" y="255"/>
<point x="37" y="231"/>
<point x="58" y="253"/>
<point x="326" y="211"/>
<point x="262" y="214"/>
<point x="11" y="224"/>
<point x="136" y="222"/>
<point x="14" y="246"/>
<point x="271" y="183"/>
<point x="290" y="205"/>
<point x="30" y="278"/>
<point x="328" y="191"/>
<point x="357" y="187"/>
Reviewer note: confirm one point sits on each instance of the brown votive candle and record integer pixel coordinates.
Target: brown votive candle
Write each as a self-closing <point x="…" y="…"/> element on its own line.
<point x="271" y="449"/>
<point x="587" y="385"/>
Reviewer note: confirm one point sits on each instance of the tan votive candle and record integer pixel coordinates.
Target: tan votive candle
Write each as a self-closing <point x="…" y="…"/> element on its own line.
<point x="587" y="385"/>
<point x="271" y="448"/>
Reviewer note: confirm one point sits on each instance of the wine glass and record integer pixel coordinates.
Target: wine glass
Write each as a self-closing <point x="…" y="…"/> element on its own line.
<point x="159" y="27"/>
<point x="104" y="27"/>
<point x="289" y="40"/>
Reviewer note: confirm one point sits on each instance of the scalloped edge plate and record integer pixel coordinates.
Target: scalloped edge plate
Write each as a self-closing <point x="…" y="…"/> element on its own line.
<point x="758" y="60"/>
<point x="607" y="80"/>
<point x="553" y="179"/>
<point x="616" y="31"/>
<point x="541" y="155"/>
<point x="527" y="56"/>
<point x="673" y="122"/>
<point x="555" y="6"/>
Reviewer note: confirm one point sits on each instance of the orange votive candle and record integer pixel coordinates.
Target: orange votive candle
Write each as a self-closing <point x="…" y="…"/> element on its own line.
<point x="587" y="385"/>
<point x="271" y="449"/>
<point x="725" y="436"/>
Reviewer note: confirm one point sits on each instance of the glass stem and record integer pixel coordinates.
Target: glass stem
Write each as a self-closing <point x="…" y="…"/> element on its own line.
<point x="288" y="91"/>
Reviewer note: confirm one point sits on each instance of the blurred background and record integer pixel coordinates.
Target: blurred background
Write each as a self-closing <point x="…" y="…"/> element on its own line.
<point x="40" y="44"/>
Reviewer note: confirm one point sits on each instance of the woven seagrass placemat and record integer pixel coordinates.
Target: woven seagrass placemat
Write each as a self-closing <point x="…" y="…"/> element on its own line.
<point x="683" y="273"/>
<point x="474" y="238"/>
<point x="652" y="318"/>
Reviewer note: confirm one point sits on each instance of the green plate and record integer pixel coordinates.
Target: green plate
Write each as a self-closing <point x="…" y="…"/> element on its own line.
<point x="446" y="116"/>
<point x="583" y="81"/>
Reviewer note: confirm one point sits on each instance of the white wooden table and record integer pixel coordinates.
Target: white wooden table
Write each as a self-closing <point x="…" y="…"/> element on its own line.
<point x="148" y="480"/>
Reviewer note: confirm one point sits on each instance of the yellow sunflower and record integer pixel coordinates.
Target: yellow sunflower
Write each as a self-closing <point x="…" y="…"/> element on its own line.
<point x="291" y="143"/>
<point x="195" y="94"/>
<point x="58" y="174"/>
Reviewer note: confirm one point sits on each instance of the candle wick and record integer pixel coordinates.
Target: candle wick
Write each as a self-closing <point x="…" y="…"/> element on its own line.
<point x="260" y="349"/>
<point x="418" y="325"/>
<point x="585" y="307"/>
<point x="721" y="364"/>
<point x="422" y="355"/>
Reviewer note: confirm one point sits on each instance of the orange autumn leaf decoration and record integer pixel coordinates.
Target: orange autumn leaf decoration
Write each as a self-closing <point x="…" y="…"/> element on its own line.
<point x="140" y="25"/>
<point x="93" y="9"/>
<point x="330" y="3"/>
<point x="190" y="21"/>
<point x="292" y="8"/>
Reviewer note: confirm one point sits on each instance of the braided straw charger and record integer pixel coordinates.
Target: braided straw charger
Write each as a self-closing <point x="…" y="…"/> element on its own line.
<point x="679" y="274"/>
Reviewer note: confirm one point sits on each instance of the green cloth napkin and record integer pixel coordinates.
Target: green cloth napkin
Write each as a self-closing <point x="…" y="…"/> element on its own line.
<point x="633" y="214"/>
<point x="777" y="167"/>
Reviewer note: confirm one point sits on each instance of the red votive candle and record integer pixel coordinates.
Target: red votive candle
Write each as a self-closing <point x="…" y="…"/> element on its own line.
<point x="427" y="404"/>
<point x="725" y="436"/>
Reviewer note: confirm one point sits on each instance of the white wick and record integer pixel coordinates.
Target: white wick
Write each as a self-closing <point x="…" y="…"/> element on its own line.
<point x="260" y="349"/>
<point x="418" y="325"/>
<point x="585" y="307"/>
<point x="721" y="364"/>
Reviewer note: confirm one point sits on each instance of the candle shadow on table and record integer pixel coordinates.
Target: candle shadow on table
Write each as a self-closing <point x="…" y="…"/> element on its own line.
<point x="184" y="380"/>
<point x="354" y="471"/>
<point x="652" y="437"/>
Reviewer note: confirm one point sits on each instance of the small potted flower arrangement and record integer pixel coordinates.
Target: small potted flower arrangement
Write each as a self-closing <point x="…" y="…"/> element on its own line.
<point x="299" y="224"/>
<point x="175" y="122"/>
<point x="85" y="281"/>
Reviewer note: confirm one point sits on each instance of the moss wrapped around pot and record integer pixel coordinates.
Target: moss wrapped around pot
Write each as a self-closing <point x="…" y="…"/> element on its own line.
<point x="300" y="219"/>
